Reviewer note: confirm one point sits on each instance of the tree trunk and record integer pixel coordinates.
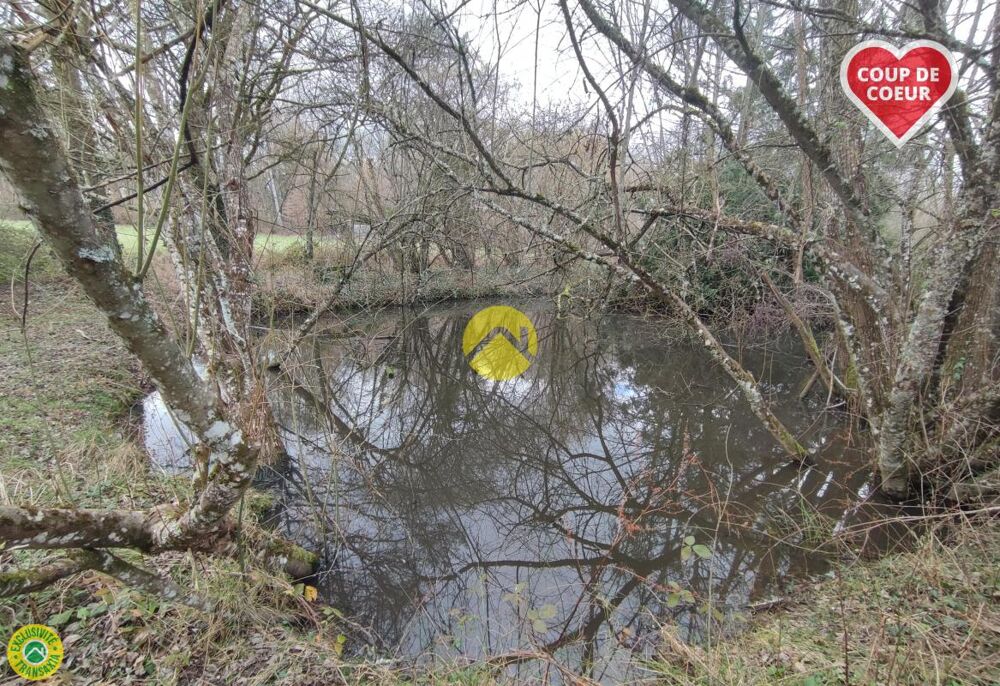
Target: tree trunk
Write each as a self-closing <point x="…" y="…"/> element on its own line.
<point x="34" y="160"/>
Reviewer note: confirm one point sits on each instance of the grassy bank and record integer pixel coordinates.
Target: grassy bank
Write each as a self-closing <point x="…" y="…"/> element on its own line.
<point x="288" y="283"/>
<point x="129" y="239"/>
<point x="68" y="435"/>
<point x="927" y="616"/>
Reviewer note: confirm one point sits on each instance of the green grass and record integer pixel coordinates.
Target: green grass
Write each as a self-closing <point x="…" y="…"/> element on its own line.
<point x="18" y="236"/>
<point x="66" y="386"/>
<point x="16" y="241"/>
<point x="64" y="383"/>
<point x="927" y="616"/>
<point x="266" y="242"/>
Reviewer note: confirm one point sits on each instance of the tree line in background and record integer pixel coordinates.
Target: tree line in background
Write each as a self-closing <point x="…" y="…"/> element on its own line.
<point x="711" y="154"/>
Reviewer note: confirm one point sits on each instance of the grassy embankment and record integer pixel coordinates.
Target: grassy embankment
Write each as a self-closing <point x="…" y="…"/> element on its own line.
<point x="927" y="616"/>
<point x="287" y="282"/>
<point x="68" y="437"/>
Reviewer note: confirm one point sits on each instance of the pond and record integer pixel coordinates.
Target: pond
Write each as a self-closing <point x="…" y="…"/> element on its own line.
<point x="621" y="484"/>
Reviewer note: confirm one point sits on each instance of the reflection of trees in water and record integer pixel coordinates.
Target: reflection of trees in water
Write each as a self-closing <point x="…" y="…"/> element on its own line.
<point x="563" y="496"/>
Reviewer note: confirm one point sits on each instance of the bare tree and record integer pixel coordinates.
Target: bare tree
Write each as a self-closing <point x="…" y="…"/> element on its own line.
<point x="210" y="242"/>
<point x="900" y="350"/>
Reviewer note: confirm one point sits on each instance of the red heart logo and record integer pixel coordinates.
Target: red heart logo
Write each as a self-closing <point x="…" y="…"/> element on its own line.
<point x="899" y="90"/>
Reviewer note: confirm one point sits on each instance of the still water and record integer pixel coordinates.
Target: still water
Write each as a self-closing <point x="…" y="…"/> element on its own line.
<point x="618" y="486"/>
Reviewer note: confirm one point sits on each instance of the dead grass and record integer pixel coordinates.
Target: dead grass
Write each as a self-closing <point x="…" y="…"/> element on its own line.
<point x="928" y="616"/>
<point x="290" y="287"/>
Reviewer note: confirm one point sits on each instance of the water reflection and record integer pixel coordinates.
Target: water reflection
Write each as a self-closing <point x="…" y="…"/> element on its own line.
<point x="463" y="516"/>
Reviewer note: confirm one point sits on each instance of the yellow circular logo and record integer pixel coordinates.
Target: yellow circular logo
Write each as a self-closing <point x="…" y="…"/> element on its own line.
<point x="500" y="342"/>
<point x="35" y="652"/>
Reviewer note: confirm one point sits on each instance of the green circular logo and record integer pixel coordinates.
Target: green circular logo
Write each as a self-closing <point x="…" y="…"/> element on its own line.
<point x="35" y="652"/>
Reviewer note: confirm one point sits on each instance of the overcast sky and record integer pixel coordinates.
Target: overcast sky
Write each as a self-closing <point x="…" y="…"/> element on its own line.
<point x="558" y="73"/>
<point x="559" y="78"/>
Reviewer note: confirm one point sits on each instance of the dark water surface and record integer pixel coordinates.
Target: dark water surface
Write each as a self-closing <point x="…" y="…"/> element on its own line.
<point x="461" y="516"/>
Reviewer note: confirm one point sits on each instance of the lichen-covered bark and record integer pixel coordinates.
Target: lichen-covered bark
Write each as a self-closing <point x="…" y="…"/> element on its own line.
<point x="28" y="580"/>
<point x="899" y="359"/>
<point x="33" y="157"/>
<point x="965" y="254"/>
<point x="973" y="349"/>
<point x="140" y="579"/>
<point x="32" y="527"/>
<point x="917" y="358"/>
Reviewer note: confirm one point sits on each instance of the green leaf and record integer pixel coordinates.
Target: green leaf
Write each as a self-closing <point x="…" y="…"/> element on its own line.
<point x="673" y="600"/>
<point x="702" y="551"/>
<point x="689" y="540"/>
<point x="60" y="619"/>
<point x="332" y="612"/>
<point x="685" y="552"/>
<point x="539" y="626"/>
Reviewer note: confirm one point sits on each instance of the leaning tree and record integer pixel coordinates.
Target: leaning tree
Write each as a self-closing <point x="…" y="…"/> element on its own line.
<point x="204" y="86"/>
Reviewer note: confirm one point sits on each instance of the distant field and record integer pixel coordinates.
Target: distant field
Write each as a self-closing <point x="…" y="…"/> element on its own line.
<point x="263" y="242"/>
<point x="129" y="240"/>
